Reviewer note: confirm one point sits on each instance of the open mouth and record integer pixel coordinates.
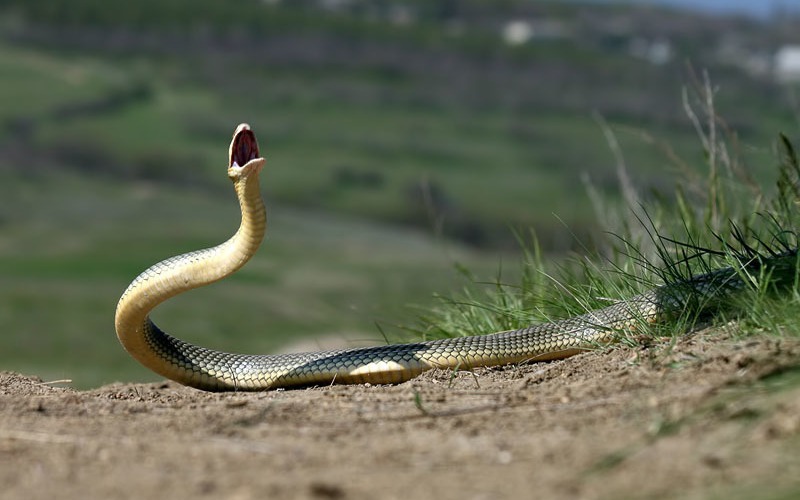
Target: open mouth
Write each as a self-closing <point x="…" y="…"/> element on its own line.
<point x="244" y="147"/>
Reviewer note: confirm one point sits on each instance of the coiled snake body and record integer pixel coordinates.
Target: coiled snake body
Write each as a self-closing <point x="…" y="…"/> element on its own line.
<point x="217" y="371"/>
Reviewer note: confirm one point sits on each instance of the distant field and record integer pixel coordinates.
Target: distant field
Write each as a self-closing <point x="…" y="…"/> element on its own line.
<point x="340" y="139"/>
<point x="392" y="154"/>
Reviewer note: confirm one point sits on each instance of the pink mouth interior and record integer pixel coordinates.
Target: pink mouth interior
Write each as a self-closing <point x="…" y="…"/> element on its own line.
<point x="245" y="148"/>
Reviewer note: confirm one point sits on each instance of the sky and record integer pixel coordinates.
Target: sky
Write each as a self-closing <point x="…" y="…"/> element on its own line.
<point x="756" y="8"/>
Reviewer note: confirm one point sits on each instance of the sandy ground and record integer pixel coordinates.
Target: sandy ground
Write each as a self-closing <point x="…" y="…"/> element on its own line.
<point x="710" y="416"/>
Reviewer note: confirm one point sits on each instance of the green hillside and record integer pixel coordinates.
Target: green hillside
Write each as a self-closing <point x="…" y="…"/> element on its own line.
<point x="400" y="138"/>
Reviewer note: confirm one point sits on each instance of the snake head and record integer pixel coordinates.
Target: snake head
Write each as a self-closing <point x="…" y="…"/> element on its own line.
<point x="243" y="154"/>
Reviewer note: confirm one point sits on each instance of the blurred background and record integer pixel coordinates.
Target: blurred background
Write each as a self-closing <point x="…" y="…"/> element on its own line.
<point x="403" y="138"/>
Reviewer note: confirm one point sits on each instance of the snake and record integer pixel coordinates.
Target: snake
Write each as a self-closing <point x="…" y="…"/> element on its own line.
<point x="213" y="370"/>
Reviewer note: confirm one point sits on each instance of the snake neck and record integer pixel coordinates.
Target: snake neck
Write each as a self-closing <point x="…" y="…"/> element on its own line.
<point x="191" y="270"/>
<point x="244" y="243"/>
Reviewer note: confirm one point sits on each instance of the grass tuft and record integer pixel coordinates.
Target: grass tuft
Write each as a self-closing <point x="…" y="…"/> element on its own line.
<point x="717" y="218"/>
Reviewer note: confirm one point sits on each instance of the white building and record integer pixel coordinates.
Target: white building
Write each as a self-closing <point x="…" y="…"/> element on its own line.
<point x="786" y="64"/>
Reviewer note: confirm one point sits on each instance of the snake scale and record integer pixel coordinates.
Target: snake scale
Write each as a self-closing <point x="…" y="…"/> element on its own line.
<point x="213" y="370"/>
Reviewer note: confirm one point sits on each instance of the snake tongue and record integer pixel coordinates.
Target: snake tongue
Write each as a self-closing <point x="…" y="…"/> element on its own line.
<point x="244" y="146"/>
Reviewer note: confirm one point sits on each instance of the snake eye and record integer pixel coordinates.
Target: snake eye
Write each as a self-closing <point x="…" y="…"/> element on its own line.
<point x="244" y="146"/>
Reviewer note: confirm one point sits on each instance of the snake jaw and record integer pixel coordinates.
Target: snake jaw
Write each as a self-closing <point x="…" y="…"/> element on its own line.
<point x="243" y="153"/>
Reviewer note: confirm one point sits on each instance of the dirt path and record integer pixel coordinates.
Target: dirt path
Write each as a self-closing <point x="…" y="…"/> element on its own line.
<point x="707" y="417"/>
